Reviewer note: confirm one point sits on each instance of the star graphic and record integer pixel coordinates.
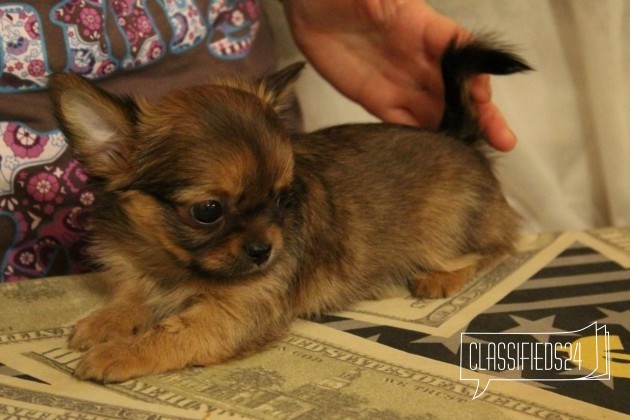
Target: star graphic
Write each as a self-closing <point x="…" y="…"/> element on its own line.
<point x="452" y="343"/>
<point x="540" y="329"/>
<point x="348" y="324"/>
<point x="374" y="338"/>
<point x="7" y="371"/>
<point x="353" y="324"/>
<point x="614" y="317"/>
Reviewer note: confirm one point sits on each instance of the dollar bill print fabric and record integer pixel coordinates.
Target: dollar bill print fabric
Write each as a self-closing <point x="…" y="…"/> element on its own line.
<point x="347" y="368"/>
<point x="587" y="282"/>
<point x="315" y="372"/>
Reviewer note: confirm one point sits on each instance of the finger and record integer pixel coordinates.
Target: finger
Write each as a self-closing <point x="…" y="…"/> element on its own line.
<point x="440" y="31"/>
<point x="480" y="89"/>
<point x="397" y="113"/>
<point x="402" y="105"/>
<point x="492" y="122"/>
<point x="399" y="116"/>
<point x="495" y="127"/>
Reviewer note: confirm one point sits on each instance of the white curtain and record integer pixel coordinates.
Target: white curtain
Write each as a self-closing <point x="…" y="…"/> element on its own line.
<point x="571" y="167"/>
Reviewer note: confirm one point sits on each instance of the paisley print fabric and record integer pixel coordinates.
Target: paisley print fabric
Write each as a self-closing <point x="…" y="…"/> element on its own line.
<point x="234" y="28"/>
<point x="23" y="52"/>
<point x="44" y="205"/>
<point x="45" y="198"/>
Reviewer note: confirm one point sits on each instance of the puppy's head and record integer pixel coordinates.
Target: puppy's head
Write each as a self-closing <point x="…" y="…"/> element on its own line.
<point x="198" y="182"/>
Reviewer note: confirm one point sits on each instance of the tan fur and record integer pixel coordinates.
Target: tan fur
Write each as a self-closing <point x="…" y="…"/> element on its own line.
<point x="438" y="284"/>
<point x="147" y="221"/>
<point x="307" y="223"/>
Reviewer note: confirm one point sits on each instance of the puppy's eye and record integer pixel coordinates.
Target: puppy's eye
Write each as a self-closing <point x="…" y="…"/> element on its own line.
<point x="207" y="212"/>
<point x="284" y="199"/>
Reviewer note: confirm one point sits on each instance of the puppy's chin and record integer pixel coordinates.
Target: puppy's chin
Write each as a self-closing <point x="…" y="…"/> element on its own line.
<point x="222" y="276"/>
<point x="238" y="270"/>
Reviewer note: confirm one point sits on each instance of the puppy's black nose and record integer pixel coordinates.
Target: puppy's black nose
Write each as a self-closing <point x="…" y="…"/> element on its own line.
<point x="258" y="252"/>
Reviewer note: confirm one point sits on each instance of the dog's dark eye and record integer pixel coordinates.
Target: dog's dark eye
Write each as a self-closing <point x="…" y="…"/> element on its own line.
<point x="207" y="212"/>
<point x="284" y="199"/>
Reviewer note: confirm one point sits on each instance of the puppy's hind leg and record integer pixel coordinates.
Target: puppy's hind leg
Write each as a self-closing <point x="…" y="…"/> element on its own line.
<point x="441" y="284"/>
<point x="448" y="280"/>
<point x="433" y="284"/>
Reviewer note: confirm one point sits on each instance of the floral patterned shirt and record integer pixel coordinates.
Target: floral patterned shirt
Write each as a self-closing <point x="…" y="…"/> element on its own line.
<point x="145" y="47"/>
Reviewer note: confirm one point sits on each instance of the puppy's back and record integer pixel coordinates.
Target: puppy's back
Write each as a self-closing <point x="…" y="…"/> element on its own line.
<point x="402" y="202"/>
<point x="407" y="179"/>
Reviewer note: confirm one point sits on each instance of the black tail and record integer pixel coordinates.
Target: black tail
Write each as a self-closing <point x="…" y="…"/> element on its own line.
<point x="459" y="64"/>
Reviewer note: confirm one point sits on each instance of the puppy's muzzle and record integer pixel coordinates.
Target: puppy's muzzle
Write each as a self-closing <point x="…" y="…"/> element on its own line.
<point x="259" y="253"/>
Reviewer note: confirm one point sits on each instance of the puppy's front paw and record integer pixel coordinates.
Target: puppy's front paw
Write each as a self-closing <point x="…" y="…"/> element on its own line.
<point x="106" y="324"/>
<point x="115" y="361"/>
<point x="437" y="284"/>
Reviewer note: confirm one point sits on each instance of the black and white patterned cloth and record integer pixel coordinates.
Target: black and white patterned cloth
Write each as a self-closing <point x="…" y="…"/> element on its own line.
<point x="581" y="286"/>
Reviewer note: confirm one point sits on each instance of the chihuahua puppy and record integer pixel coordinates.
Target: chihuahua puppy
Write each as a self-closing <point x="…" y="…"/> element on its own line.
<point x="217" y="227"/>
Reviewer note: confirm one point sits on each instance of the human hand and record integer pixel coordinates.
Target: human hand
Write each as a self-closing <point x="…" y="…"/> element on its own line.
<point x="385" y="55"/>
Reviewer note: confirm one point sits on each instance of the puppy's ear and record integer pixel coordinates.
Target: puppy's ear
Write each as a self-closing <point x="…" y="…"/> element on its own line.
<point x="98" y="126"/>
<point x="277" y="88"/>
